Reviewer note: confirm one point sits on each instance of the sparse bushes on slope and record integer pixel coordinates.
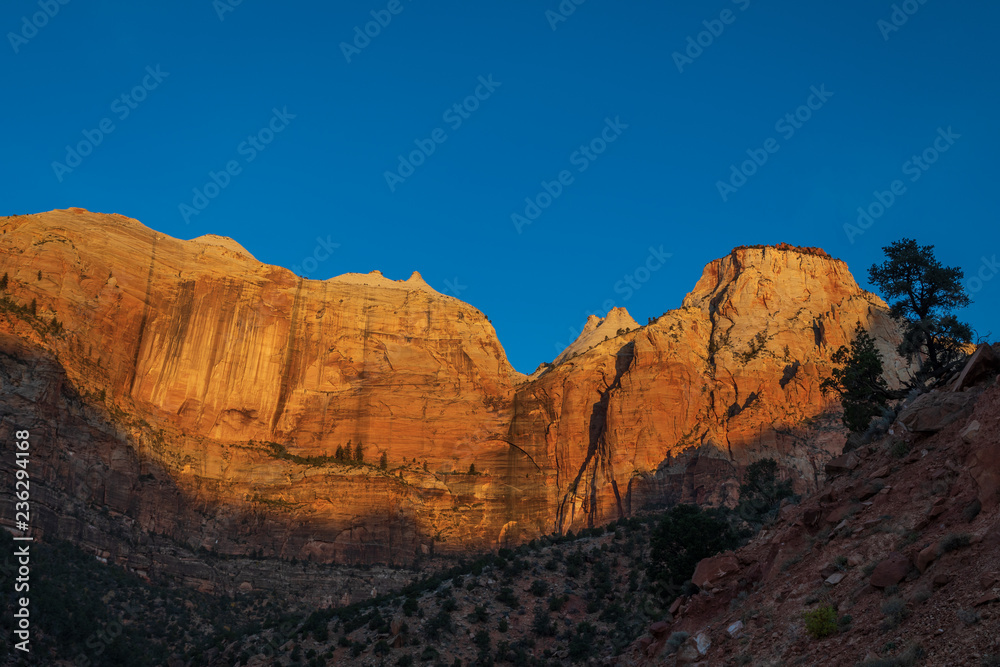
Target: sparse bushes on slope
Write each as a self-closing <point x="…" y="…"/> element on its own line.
<point x="821" y="622"/>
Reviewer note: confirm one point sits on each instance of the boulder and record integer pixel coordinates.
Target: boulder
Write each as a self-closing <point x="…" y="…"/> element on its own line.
<point x="891" y="571"/>
<point x="842" y="464"/>
<point x="712" y="570"/>
<point x="702" y="642"/>
<point x="835" y="578"/>
<point x="934" y="411"/>
<point x="970" y="432"/>
<point x="984" y="466"/>
<point x="659" y="628"/>
<point x="812" y="516"/>
<point x="688" y="653"/>
<point x="735" y="629"/>
<point x="983" y="364"/>
<point x="926" y="557"/>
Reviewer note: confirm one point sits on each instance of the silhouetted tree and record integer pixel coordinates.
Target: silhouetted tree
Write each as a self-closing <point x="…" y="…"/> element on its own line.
<point x="383" y="462"/>
<point x="472" y="468"/>
<point x="922" y="293"/>
<point x="684" y="536"/>
<point x="359" y="455"/>
<point x="339" y="455"/>
<point x="761" y="492"/>
<point x="863" y="391"/>
<point x="3" y="282"/>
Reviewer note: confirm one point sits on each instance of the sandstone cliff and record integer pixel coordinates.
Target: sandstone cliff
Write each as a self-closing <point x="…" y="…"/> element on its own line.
<point x="233" y="383"/>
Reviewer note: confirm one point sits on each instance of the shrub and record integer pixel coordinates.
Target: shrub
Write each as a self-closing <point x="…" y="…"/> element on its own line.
<point x="539" y="588"/>
<point x="557" y="602"/>
<point x="907" y="658"/>
<point x="676" y="640"/>
<point x="895" y="611"/>
<point x="972" y="510"/>
<point x="542" y="624"/>
<point x="506" y="595"/>
<point x="952" y="542"/>
<point x="479" y="615"/>
<point x="821" y="622"/>
<point x="582" y="643"/>
<point x="899" y="449"/>
<point x="410" y="606"/>
<point x="968" y="616"/>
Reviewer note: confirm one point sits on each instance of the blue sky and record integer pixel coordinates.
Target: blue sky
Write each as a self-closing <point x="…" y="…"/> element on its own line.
<point x="589" y="114"/>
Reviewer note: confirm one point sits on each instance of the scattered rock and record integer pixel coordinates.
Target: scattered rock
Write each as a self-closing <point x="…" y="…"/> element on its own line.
<point x="983" y="363"/>
<point x="675" y="607"/>
<point x="812" y="516"/>
<point x="842" y="464"/>
<point x="986" y="599"/>
<point x="932" y="412"/>
<point x="835" y="578"/>
<point x="688" y="653"/>
<point x="735" y="629"/>
<point x="926" y="557"/>
<point x="703" y="643"/>
<point x="942" y="579"/>
<point x="970" y="432"/>
<point x="659" y="628"/>
<point x="881" y="472"/>
<point x="891" y="571"/>
<point x="711" y="570"/>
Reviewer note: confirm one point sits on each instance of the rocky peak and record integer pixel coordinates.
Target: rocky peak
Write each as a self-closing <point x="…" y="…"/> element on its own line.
<point x="612" y="325"/>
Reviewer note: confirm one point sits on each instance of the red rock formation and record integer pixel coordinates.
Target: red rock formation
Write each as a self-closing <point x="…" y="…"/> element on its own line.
<point x="240" y="380"/>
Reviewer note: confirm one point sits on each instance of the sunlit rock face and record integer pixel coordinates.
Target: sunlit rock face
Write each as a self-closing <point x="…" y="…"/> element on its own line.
<point x="236" y="383"/>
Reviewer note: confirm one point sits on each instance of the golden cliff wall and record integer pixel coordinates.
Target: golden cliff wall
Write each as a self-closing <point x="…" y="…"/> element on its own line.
<point x="203" y="356"/>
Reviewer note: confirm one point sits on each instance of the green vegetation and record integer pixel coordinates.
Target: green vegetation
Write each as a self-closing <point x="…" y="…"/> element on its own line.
<point x="863" y="391"/>
<point x="821" y="622"/>
<point x="761" y="493"/>
<point x="684" y="536"/>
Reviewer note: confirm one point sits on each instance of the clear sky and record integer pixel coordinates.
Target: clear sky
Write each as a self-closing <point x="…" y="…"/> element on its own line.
<point x="630" y="126"/>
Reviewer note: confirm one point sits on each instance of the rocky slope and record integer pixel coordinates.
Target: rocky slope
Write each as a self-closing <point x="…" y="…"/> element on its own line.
<point x="214" y="392"/>
<point x="902" y="544"/>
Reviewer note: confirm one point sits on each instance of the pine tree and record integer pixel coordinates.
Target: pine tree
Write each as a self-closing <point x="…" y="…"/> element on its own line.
<point x="925" y="293"/>
<point x="383" y="462"/>
<point x="359" y="455"/>
<point x="3" y="282"/>
<point x="339" y="455"/>
<point x="472" y="469"/>
<point x="863" y="391"/>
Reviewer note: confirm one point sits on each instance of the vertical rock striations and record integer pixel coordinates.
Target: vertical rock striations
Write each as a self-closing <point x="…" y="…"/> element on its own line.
<point x="238" y="382"/>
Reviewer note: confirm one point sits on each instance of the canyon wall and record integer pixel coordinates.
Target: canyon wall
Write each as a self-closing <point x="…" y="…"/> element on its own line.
<point x="217" y="390"/>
